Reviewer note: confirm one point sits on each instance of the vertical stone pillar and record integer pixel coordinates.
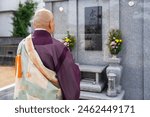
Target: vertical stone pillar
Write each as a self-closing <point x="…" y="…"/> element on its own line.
<point x="113" y="23"/>
<point x="146" y="48"/>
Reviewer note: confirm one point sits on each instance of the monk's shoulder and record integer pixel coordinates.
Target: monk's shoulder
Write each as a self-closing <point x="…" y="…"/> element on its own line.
<point x="20" y="45"/>
<point x="58" y="44"/>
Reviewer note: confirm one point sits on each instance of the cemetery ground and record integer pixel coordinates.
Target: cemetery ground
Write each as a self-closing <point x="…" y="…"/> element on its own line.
<point x="7" y="75"/>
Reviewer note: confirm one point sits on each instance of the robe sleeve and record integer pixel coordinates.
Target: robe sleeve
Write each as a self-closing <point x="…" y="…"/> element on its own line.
<point x="68" y="75"/>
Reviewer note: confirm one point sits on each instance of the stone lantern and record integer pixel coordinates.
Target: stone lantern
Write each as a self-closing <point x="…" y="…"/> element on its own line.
<point x="111" y="91"/>
<point x="115" y="68"/>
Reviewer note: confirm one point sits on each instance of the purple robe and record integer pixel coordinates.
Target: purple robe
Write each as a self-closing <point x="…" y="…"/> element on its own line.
<point x="55" y="56"/>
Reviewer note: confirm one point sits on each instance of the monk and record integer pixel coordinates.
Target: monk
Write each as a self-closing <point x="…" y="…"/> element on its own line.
<point x="45" y="68"/>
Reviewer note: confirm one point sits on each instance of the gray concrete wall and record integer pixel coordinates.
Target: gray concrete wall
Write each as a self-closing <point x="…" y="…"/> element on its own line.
<point x="131" y="25"/>
<point x="7" y="8"/>
<point x="134" y="24"/>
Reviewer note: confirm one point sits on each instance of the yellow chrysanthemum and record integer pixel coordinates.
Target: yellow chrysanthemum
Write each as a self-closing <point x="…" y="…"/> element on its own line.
<point x="117" y="40"/>
<point x="120" y="40"/>
<point x="67" y="40"/>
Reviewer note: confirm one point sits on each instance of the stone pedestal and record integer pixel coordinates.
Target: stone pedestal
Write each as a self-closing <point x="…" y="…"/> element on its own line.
<point x="116" y="68"/>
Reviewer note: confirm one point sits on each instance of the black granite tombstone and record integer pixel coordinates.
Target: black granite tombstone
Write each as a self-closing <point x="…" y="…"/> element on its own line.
<point x="93" y="28"/>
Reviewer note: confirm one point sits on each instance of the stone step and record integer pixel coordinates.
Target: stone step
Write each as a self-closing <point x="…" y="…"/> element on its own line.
<point x="91" y="86"/>
<point x="7" y="92"/>
<point x="100" y="96"/>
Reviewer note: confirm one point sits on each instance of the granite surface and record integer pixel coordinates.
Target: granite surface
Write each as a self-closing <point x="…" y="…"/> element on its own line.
<point x="146" y="47"/>
<point x="131" y="25"/>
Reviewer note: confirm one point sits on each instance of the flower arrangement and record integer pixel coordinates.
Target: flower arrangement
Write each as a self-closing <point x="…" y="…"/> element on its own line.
<point x="115" y="41"/>
<point x="69" y="41"/>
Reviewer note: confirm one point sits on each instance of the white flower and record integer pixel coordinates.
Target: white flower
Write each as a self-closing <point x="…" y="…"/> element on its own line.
<point x="113" y="47"/>
<point x="66" y="44"/>
<point x="113" y="43"/>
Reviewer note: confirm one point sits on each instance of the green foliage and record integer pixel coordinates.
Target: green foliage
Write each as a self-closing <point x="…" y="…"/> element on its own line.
<point x="22" y="17"/>
<point x="115" y="41"/>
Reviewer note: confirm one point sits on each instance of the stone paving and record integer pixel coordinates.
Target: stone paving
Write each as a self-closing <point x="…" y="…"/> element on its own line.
<point x="7" y="75"/>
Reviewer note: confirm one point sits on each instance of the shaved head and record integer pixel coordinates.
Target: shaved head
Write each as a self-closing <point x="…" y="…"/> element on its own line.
<point x="43" y="18"/>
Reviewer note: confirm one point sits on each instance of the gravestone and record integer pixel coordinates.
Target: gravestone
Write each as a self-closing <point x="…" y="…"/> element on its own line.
<point x="90" y="23"/>
<point x="93" y="28"/>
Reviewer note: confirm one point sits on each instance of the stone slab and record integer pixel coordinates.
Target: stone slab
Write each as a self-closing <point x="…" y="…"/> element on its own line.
<point x="91" y="68"/>
<point x="114" y="60"/>
<point x="7" y="92"/>
<point x="100" y="96"/>
<point x="92" y="86"/>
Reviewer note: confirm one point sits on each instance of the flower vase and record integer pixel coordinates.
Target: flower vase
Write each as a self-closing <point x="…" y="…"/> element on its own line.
<point x="114" y="56"/>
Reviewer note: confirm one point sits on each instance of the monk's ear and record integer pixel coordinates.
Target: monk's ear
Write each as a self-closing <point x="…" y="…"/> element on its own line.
<point x="51" y="27"/>
<point x="33" y="24"/>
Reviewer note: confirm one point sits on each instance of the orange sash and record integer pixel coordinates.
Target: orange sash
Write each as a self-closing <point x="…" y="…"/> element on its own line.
<point x="18" y="66"/>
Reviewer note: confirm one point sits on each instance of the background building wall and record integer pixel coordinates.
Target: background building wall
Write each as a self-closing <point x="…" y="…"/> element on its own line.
<point x="7" y="7"/>
<point x="5" y="24"/>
